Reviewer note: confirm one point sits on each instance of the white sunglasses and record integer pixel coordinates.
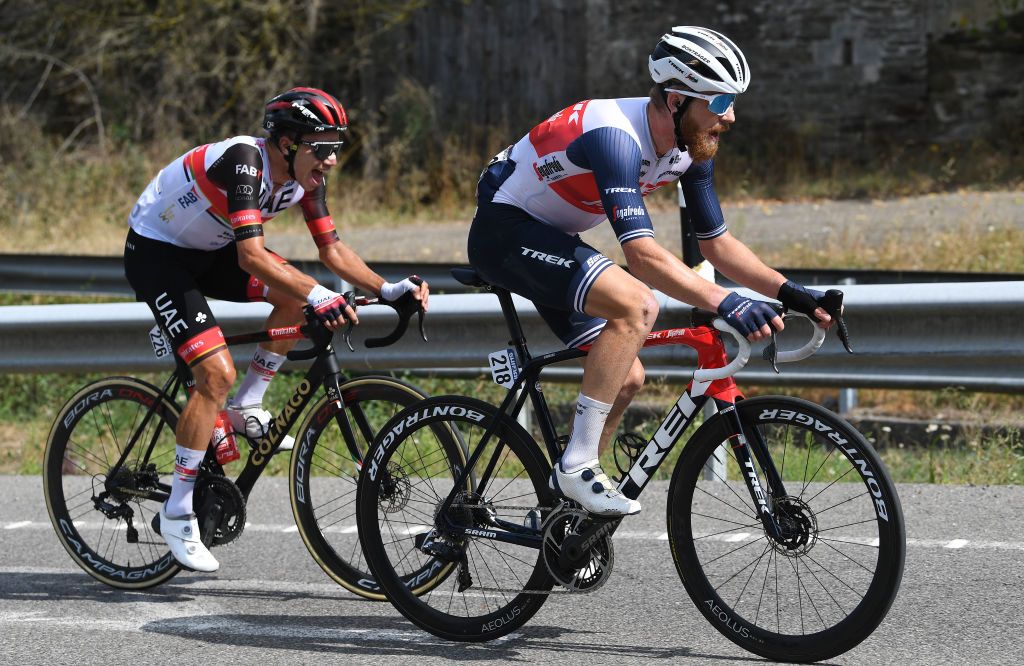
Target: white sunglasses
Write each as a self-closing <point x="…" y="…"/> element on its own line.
<point x="718" y="104"/>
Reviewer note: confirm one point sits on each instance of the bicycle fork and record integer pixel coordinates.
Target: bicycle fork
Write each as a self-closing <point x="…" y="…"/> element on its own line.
<point x="746" y="450"/>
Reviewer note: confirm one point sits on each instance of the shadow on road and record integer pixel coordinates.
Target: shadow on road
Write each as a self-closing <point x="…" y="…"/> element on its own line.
<point x="392" y="636"/>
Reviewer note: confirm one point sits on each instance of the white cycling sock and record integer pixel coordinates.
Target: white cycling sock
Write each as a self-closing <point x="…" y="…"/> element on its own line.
<point x="262" y="368"/>
<point x="186" y="466"/>
<point x="586" y="433"/>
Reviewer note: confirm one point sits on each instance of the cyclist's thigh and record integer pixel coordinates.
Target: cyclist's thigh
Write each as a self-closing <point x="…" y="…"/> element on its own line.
<point x="515" y="251"/>
<point x="224" y="279"/>
<point x="163" y="276"/>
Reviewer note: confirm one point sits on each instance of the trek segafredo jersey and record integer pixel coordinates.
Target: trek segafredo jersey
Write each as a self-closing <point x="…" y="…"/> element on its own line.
<point x="221" y="192"/>
<point x="596" y="160"/>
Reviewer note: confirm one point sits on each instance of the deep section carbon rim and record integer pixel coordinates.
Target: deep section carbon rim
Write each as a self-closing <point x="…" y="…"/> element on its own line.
<point x="324" y="475"/>
<point x="107" y="532"/>
<point x="494" y="586"/>
<point x="827" y="582"/>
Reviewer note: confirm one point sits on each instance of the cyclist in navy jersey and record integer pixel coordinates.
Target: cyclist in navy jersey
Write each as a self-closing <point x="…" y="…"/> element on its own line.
<point x="596" y="160"/>
<point x="197" y="231"/>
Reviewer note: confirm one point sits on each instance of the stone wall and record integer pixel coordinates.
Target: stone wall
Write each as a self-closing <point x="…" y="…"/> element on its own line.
<point x="840" y="75"/>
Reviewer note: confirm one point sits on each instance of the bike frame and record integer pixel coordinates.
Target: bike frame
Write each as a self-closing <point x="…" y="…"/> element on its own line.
<point x="711" y="354"/>
<point x="324" y="371"/>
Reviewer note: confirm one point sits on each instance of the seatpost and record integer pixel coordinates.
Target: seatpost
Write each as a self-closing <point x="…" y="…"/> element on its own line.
<point x="515" y="329"/>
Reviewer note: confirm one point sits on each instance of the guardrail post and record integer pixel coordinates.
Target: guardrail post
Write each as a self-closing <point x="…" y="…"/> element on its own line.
<point x="692" y="257"/>
<point x="847" y="396"/>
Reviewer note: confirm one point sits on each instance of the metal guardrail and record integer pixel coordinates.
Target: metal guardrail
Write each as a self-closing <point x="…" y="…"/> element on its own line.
<point x="69" y="274"/>
<point x="923" y="336"/>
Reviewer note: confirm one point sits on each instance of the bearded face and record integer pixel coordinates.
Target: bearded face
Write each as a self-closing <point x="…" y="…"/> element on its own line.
<point x="701" y="130"/>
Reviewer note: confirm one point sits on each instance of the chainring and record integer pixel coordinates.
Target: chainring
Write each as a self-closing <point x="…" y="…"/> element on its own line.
<point x="232" y="521"/>
<point x="568" y="520"/>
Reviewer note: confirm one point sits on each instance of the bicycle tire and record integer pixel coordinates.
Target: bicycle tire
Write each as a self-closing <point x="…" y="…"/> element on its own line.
<point x="323" y="476"/>
<point x="845" y="531"/>
<point x="85" y="441"/>
<point x="518" y="488"/>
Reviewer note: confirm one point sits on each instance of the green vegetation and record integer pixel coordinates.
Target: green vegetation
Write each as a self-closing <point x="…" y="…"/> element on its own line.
<point x="29" y="403"/>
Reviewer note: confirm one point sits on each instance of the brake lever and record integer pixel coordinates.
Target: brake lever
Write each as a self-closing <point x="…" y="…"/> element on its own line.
<point x="350" y="301"/>
<point x="832" y="303"/>
<point x="771" y="353"/>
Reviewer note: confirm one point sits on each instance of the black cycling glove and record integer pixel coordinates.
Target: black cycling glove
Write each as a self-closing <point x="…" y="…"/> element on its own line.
<point x="799" y="298"/>
<point x="745" y="314"/>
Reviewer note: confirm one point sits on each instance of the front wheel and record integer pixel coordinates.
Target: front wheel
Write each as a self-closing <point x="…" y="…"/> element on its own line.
<point x="99" y="512"/>
<point x="828" y="580"/>
<point x="329" y="453"/>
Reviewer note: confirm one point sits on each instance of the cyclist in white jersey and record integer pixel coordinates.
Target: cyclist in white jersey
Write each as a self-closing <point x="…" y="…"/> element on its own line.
<point x="197" y="231"/>
<point x="593" y="161"/>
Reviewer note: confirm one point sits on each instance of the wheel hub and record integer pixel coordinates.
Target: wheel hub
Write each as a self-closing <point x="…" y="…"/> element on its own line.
<point x="798" y="526"/>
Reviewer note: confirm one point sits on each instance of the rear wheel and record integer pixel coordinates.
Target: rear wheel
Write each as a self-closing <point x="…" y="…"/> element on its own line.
<point x="105" y="527"/>
<point x="495" y="586"/>
<point x="828" y="581"/>
<point x="325" y="469"/>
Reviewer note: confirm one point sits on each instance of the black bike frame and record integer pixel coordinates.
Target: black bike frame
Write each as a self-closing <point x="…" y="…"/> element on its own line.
<point x="711" y="354"/>
<point x="324" y="371"/>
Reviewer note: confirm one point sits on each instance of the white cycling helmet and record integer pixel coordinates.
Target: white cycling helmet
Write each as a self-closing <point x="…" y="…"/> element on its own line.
<point x="705" y="60"/>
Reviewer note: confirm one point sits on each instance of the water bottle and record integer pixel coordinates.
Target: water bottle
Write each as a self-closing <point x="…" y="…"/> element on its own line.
<point x="224" y="439"/>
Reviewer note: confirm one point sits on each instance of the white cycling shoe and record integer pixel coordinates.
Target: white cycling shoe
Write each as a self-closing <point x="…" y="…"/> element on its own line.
<point x="254" y="422"/>
<point x="592" y="488"/>
<point x="182" y="536"/>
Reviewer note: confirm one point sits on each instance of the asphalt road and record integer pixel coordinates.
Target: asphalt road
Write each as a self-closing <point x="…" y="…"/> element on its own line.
<point x="961" y="599"/>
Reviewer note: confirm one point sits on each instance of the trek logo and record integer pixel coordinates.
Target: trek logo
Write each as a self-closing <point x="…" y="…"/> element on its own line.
<point x="663" y="440"/>
<point x="247" y="169"/>
<point x="614" y="190"/>
<point x="548" y="258"/>
<point x="165" y="308"/>
<point x="548" y="169"/>
<point x="842" y="444"/>
<point x="628" y="212"/>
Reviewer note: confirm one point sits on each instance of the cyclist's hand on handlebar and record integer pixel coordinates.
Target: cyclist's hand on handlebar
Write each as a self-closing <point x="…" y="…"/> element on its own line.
<point x="330" y="307"/>
<point x="799" y="298"/>
<point x="418" y="286"/>
<point x="753" y="319"/>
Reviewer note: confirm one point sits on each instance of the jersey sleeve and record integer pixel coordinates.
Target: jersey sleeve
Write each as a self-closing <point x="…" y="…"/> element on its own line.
<point x="318" y="219"/>
<point x="702" y="200"/>
<point x="239" y="172"/>
<point x="614" y="158"/>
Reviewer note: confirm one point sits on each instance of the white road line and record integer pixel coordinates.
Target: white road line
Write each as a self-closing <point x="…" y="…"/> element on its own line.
<point x="624" y="535"/>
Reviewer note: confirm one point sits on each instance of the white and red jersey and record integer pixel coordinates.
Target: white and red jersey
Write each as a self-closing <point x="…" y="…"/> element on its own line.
<point x="596" y="160"/>
<point x="221" y="192"/>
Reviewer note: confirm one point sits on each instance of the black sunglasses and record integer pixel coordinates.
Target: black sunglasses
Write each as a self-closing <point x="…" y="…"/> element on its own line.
<point x="323" y="149"/>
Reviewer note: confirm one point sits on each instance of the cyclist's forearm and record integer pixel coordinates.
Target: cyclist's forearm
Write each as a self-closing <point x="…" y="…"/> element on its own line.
<point x="737" y="262"/>
<point x="657" y="267"/>
<point x="347" y="265"/>
<point x="276" y="276"/>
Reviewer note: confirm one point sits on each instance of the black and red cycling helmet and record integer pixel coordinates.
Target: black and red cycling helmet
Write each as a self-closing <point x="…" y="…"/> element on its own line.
<point x="304" y="110"/>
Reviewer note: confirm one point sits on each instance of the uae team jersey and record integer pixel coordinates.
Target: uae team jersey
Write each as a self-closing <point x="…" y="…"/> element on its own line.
<point x="216" y="194"/>
<point x="595" y="160"/>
